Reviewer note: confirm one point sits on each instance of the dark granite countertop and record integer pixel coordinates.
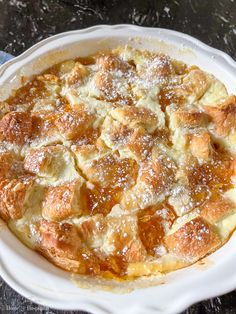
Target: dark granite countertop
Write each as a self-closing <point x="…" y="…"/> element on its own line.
<point x="25" y="22"/>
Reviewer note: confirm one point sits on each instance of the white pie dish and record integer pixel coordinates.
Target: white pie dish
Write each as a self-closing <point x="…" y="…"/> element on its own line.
<point x="37" y="279"/>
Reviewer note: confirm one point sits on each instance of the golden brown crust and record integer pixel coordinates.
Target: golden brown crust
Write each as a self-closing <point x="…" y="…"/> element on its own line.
<point x="4" y="108"/>
<point x="153" y="224"/>
<point x="62" y="238"/>
<point x="111" y="80"/>
<point x="72" y="124"/>
<point x="49" y="162"/>
<point x="200" y="145"/>
<point x="216" y="172"/>
<point x="112" y="171"/>
<point x="6" y="160"/>
<point x="155" y="178"/>
<point x="43" y="126"/>
<point x="158" y="66"/>
<point x="111" y="63"/>
<point x="13" y="195"/>
<point x="103" y="81"/>
<point x="62" y="202"/>
<point x="115" y="134"/>
<point x="122" y="239"/>
<point x="135" y="117"/>
<point x="92" y="230"/>
<point x="189" y="119"/>
<point x="78" y="72"/>
<point x="16" y="127"/>
<point x="223" y="116"/>
<point x="140" y="144"/>
<point x="193" y="240"/>
<point x="37" y="160"/>
<point x="234" y="166"/>
<point x="195" y="83"/>
<point x="217" y="208"/>
<point x="11" y="166"/>
<point x="158" y="173"/>
<point x="60" y="243"/>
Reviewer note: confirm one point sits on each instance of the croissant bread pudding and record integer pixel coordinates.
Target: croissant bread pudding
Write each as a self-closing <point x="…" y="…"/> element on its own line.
<point x="119" y="165"/>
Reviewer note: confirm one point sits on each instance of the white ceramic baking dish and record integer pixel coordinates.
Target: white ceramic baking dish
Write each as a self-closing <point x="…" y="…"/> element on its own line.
<point x="38" y="280"/>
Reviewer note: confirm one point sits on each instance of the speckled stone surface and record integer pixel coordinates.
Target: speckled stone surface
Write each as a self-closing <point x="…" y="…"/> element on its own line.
<point x="24" y="23"/>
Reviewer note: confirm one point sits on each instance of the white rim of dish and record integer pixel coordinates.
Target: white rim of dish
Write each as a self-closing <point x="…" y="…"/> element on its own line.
<point x="209" y="289"/>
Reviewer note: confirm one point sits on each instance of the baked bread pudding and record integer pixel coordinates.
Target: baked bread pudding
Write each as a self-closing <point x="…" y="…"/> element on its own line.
<point x="119" y="165"/>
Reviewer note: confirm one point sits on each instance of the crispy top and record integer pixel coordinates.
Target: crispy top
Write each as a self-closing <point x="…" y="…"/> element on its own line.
<point x="120" y="164"/>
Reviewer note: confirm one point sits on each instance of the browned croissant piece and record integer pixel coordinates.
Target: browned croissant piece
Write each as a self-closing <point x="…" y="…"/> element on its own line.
<point x="13" y="197"/>
<point x="16" y="127"/>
